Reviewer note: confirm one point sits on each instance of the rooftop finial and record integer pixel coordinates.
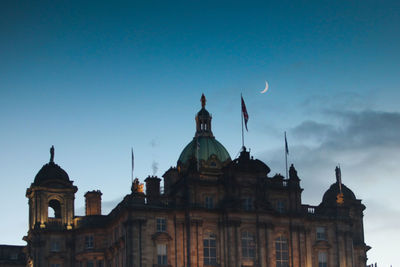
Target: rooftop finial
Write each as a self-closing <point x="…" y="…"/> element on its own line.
<point x="339" y="177"/>
<point x="203" y="100"/>
<point x="52" y="154"/>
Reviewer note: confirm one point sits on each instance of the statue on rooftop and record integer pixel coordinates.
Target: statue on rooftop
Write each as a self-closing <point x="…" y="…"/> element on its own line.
<point x="52" y="154"/>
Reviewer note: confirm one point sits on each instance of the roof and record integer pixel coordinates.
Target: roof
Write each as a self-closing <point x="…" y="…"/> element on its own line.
<point x="51" y="172"/>
<point x="207" y="146"/>
<point x="331" y="194"/>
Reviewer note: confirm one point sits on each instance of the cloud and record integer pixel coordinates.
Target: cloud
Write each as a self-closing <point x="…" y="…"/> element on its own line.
<point x="366" y="144"/>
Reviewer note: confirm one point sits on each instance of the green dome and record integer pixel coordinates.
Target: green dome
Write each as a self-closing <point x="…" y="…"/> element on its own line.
<point x="208" y="146"/>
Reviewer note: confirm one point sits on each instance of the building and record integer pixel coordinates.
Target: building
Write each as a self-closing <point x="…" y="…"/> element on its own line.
<point x="212" y="211"/>
<point x="12" y="256"/>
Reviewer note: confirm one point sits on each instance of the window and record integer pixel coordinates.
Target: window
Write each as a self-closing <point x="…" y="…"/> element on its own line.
<point x="14" y="256"/>
<point x="89" y="241"/>
<point x="55" y="265"/>
<point x="282" y="252"/>
<point x="322" y="259"/>
<point x="209" y="202"/>
<point x="99" y="263"/>
<point x="54" y="209"/>
<point x="280" y="206"/>
<point x="90" y="264"/>
<point x="161" y="225"/>
<point x="321" y="233"/>
<point x="248" y="245"/>
<point x="210" y="249"/>
<point x="55" y="245"/>
<point x="162" y="254"/>
<point x="248" y="203"/>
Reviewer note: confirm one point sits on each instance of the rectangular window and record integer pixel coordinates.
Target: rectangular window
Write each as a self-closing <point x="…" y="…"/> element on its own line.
<point x="90" y="264"/>
<point x="161" y="225"/>
<point x="162" y="254"/>
<point x="55" y="265"/>
<point x="321" y="235"/>
<point x="248" y="203"/>
<point x="322" y="259"/>
<point x="55" y="245"/>
<point x="209" y="202"/>
<point x="248" y="245"/>
<point x="89" y="241"/>
<point x="210" y="249"/>
<point x="280" y="206"/>
<point x="99" y="263"/>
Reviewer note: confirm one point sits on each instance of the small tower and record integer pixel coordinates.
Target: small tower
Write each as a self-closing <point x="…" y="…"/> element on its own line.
<point x="51" y="192"/>
<point x="203" y="120"/>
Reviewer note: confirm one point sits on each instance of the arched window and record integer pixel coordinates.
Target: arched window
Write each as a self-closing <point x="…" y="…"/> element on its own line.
<point x="210" y="249"/>
<point x="54" y="209"/>
<point x="248" y="245"/>
<point x="282" y="252"/>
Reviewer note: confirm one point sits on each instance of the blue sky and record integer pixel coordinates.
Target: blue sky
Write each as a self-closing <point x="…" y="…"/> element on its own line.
<point x="94" y="79"/>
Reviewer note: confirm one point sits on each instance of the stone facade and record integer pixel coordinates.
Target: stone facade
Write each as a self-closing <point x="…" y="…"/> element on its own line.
<point x="212" y="211"/>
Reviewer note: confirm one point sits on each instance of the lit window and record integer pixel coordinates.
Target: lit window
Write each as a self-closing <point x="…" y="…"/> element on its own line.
<point x="55" y="245"/>
<point x="209" y="202"/>
<point x="248" y="245"/>
<point x="210" y="249"/>
<point x="280" y="206"/>
<point x="321" y="233"/>
<point x="322" y="259"/>
<point x="282" y="252"/>
<point x="89" y="241"/>
<point x="248" y="203"/>
<point x="161" y="225"/>
<point x="162" y="254"/>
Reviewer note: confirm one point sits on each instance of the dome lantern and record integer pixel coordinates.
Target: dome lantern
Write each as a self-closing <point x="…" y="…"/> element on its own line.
<point x="204" y="149"/>
<point x="203" y="120"/>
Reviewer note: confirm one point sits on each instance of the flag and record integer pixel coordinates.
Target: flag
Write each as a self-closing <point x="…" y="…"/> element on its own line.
<point x="244" y="112"/>
<point x="286" y="146"/>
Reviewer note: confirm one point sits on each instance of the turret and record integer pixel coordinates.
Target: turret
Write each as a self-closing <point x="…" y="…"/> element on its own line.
<point x="51" y="197"/>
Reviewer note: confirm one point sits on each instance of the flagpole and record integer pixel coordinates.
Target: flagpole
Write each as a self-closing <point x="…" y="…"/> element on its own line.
<point x="241" y="112"/>
<point x="132" y="164"/>
<point x="286" y="152"/>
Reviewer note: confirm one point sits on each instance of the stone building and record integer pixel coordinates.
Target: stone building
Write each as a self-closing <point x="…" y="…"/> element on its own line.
<point x="212" y="211"/>
<point x="12" y="256"/>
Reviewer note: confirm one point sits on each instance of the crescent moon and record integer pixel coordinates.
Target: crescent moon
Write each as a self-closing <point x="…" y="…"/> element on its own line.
<point x="265" y="89"/>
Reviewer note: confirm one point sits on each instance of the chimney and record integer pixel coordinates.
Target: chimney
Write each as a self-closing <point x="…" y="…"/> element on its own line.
<point x="152" y="189"/>
<point x="93" y="202"/>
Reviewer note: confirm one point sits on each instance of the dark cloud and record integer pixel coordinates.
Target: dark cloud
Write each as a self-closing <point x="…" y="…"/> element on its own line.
<point x="365" y="144"/>
<point x="353" y="130"/>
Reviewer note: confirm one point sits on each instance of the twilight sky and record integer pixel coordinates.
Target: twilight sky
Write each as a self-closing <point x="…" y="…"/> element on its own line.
<point x="95" y="78"/>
